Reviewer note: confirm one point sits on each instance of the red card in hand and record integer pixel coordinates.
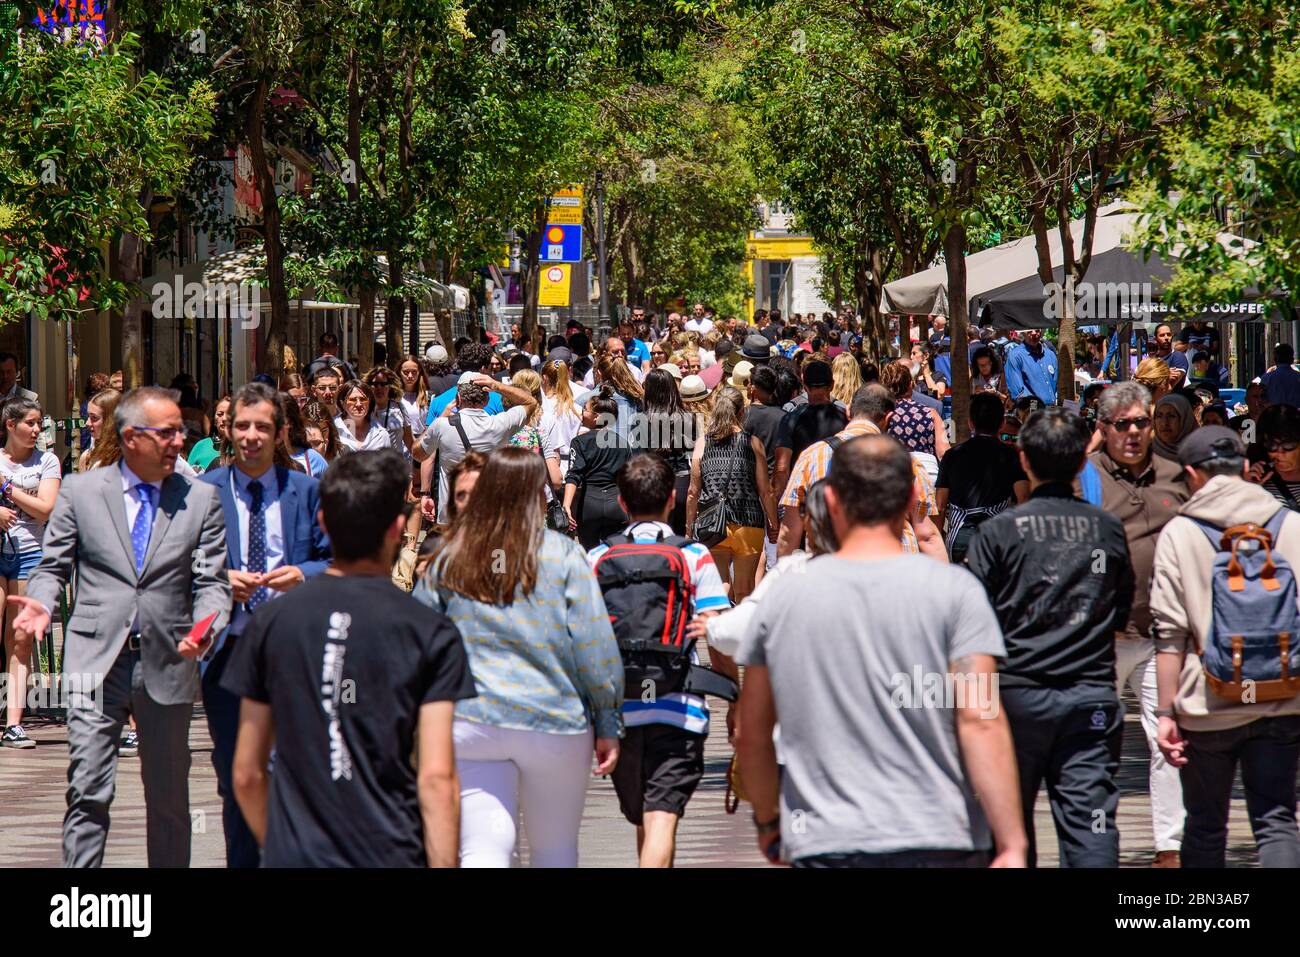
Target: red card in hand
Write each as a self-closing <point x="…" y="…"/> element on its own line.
<point x="199" y="633"/>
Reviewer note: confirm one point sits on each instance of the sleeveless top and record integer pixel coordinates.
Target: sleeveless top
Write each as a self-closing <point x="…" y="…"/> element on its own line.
<point x="727" y="469"/>
<point x="912" y="425"/>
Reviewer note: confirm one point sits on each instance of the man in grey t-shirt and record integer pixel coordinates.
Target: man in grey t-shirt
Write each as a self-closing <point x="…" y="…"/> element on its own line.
<point x="478" y="430"/>
<point x="881" y="669"/>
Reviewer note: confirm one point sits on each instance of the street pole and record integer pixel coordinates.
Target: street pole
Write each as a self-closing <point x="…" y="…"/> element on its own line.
<point x="603" y="317"/>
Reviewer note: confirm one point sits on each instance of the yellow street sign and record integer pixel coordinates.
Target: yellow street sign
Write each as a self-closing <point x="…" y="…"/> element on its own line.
<point x="553" y="287"/>
<point x="566" y="207"/>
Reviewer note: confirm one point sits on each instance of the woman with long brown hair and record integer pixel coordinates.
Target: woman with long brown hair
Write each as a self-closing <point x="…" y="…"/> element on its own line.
<point x="104" y="449"/>
<point x="544" y="659"/>
<point x="613" y="371"/>
<point x="729" y="465"/>
<point x="590" y="491"/>
<point x="206" y="451"/>
<point x="29" y="485"/>
<point x="321" y="432"/>
<point x="296" y="442"/>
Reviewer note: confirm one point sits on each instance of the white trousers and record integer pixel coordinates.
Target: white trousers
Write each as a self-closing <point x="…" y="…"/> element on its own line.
<point x="1135" y="665"/>
<point x="503" y="771"/>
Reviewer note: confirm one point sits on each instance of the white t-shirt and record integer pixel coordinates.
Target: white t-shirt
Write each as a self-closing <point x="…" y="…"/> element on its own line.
<point x="27" y="476"/>
<point x="702" y="326"/>
<point x="414" y="417"/>
<point x="559" y="428"/>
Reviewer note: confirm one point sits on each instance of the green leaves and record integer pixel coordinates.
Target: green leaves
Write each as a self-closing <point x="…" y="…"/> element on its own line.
<point x="82" y="134"/>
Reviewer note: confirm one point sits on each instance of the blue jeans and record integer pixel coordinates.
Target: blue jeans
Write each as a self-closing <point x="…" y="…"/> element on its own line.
<point x="15" y="567"/>
<point x="1268" y="750"/>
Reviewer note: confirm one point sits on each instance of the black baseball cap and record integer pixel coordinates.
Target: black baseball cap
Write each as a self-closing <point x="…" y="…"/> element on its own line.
<point x="1208" y="443"/>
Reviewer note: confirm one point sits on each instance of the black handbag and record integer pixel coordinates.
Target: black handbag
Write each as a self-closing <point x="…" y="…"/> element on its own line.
<point x="711" y="519"/>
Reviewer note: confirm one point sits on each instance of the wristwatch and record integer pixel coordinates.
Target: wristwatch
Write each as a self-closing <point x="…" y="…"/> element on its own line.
<point x="1164" y="712"/>
<point x="766" y="827"/>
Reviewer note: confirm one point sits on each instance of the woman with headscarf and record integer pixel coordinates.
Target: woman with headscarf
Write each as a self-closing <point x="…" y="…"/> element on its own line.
<point x="1173" y="420"/>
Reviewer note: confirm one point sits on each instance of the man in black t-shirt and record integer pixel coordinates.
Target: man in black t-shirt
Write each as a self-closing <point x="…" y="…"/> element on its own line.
<point x="819" y="419"/>
<point x="978" y="478"/>
<point x="762" y="418"/>
<point x="348" y="676"/>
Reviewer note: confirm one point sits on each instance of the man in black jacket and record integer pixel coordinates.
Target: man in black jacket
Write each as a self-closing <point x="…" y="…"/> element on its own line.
<point x="1058" y="574"/>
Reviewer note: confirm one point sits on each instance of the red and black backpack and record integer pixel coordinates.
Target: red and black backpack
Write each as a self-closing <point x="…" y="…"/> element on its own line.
<point x="649" y="595"/>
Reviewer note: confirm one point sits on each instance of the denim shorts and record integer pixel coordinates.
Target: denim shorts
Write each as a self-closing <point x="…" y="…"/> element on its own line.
<point x="18" y="567"/>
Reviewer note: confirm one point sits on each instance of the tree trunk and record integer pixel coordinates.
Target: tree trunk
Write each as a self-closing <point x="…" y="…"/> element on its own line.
<point x="532" y="273"/>
<point x="954" y="254"/>
<point x="395" y="309"/>
<point x="273" y="336"/>
<point x="1065" y="349"/>
<point x="366" y="294"/>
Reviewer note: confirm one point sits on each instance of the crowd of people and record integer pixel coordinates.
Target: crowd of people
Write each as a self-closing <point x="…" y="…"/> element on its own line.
<point x="423" y="600"/>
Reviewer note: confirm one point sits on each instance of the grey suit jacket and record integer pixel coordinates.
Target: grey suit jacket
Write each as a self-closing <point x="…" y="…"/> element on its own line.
<point x="183" y="581"/>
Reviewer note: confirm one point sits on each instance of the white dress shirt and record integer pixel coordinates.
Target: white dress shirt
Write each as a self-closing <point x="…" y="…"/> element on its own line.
<point x="129" y="481"/>
<point x="274" y="530"/>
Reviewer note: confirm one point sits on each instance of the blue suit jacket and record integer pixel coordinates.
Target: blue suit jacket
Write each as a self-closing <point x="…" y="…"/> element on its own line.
<point x="305" y="544"/>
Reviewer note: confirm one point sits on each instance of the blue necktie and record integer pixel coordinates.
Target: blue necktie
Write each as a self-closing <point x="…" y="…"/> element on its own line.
<point x="256" y="543"/>
<point x="143" y="525"/>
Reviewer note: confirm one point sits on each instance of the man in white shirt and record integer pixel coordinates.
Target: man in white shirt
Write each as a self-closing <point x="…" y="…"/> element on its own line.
<point x="698" y="321"/>
<point x="450" y="437"/>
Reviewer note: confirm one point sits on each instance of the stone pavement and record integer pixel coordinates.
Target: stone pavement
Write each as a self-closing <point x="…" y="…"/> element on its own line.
<point x="32" y="785"/>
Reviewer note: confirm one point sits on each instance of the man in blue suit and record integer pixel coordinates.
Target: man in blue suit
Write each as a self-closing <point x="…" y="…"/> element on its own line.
<point x="273" y="543"/>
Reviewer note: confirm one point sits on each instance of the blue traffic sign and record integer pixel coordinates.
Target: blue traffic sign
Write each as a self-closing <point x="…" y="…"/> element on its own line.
<point x="561" y="244"/>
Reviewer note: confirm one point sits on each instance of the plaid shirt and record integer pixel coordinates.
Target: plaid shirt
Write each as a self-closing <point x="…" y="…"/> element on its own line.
<point x="815" y="461"/>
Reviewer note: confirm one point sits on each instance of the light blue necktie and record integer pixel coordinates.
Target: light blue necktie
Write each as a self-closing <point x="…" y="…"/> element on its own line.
<point x="143" y="525"/>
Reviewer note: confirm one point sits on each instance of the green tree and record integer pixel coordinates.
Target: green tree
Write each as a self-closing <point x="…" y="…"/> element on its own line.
<point x="83" y="135"/>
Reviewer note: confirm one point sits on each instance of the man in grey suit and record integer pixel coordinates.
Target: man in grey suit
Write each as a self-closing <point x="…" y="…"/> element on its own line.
<point x="149" y="551"/>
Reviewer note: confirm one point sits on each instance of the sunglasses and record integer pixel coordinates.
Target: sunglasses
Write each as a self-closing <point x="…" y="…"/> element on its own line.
<point x="1286" y="447"/>
<point x="1124" y="425"/>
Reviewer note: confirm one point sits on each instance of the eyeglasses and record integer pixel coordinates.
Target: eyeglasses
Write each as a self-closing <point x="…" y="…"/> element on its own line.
<point x="166" y="433"/>
<point x="1124" y="425"/>
<point x="356" y="400"/>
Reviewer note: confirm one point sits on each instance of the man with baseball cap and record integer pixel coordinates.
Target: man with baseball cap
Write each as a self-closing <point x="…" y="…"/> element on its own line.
<point x="1203" y="732"/>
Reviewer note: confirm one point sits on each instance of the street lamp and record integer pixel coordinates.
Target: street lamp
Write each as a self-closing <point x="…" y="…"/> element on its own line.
<point x="603" y="317"/>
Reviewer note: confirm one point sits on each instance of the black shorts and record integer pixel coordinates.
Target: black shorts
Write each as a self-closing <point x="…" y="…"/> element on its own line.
<point x="659" y="768"/>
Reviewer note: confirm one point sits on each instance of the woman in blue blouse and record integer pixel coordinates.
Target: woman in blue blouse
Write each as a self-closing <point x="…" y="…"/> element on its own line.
<point x="544" y="659"/>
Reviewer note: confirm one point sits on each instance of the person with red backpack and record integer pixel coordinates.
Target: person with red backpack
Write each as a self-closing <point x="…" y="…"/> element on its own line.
<point x="1227" y="636"/>
<point x="659" y="589"/>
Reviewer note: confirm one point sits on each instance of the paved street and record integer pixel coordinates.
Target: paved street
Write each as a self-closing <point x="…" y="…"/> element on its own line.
<point x="33" y="782"/>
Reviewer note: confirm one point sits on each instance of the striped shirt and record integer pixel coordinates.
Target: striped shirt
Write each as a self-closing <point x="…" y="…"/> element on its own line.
<point x="686" y="711"/>
<point x="815" y="462"/>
